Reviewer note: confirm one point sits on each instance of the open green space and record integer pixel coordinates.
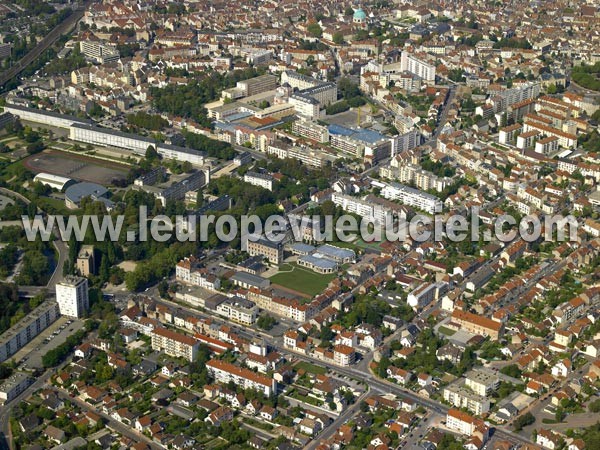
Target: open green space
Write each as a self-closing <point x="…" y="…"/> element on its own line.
<point x="311" y="368"/>
<point x="302" y="280"/>
<point x="447" y="331"/>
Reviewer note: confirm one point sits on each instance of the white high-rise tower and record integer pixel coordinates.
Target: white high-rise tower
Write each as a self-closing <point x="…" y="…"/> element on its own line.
<point x="72" y="296"/>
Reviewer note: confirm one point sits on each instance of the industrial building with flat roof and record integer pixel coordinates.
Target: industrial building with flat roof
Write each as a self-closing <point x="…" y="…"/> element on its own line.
<point x="247" y="280"/>
<point x="338" y="254"/>
<point x="318" y="263"/>
<point x="77" y="192"/>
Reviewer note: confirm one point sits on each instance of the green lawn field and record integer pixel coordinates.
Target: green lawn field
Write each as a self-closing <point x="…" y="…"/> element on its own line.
<point x="302" y="280"/>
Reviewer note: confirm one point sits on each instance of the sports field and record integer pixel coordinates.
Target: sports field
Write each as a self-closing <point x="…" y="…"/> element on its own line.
<point x="299" y="279"/>
<point x="78" y="167"/>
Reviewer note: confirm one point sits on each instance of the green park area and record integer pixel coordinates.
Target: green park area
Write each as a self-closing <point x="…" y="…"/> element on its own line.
<point x="297" y="278"/>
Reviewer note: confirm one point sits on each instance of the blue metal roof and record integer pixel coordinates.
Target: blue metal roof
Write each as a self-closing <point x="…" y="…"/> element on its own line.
<point x="360" y="134"/>
<point x="339" y="129"/>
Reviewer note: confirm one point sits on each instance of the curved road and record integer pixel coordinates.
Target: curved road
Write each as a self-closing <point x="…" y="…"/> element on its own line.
<point x="59" y="245"/>
<point x="61" y="249"/>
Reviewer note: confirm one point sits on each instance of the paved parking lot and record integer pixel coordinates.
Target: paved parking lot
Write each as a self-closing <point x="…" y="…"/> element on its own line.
<point x="414" y="437"/>
<point x="56" y="334"/>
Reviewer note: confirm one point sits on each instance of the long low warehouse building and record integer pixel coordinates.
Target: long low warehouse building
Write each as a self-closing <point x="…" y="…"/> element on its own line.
<point x="85" y="131"/>
<point x="41" y="116"/>
<point x="105" y="137"/>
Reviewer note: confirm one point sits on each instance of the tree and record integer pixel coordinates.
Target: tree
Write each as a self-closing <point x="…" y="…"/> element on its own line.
<point x="594" y="406"/>
<point x="265" y="322"/>
<point x="5" y="371"/>
<point x="382" y="367"/>
<point x="35" y="147"/>
<point x="511" y="370"/>
<point x="151" y="153"/>
<point x="104" y="271"/>
<point x="152" y="122"/>
<point x="338" y="38"/>
<point x="587" y="76"/>
<point x="326" y="334"/>
<point x="456" y="75"/>
<point x="338" y="107"/>
<point x="96" y="110"/>
<point x="523" y="421"/>
<point x="314" y="29"/>
<point x="199" y="198"/>
<point x="163" y="289"/>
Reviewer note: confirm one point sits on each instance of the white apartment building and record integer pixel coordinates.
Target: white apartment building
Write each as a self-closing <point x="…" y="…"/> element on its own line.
<point x="305" y="106"/>
<point x="15" y="338"/>
<point x="375" y="212"/>
<point x="460" y="421"/>
<point x="137" y="144"/>
<point x="13" y="386"/>
<point x="406" y="141"/>
<point x="482" y="382"/>
<point x="310" y="130"/>
<point x="174" y="344"/>
<point x="412" y="197"/>
<point x="410" y="63"/>
<point x="422" y="296"/>
<point x="343" y="355"/>
<point x="461" y="397"/>
<point x="98" y="51"/>
<point x="508" y="135"/>
<point x="521" y="92"/>
<point x="259" y="179"/>
<point x="547" y="145"/>
<point x="239" y="310"/>
<point x="412" y="173"/>
<point x="310" y="157"/>
<point x="202" y="278"/>
<point x="72" y="296"/>
<point x="566" y="140"/>
<point x="225" y="372"/>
